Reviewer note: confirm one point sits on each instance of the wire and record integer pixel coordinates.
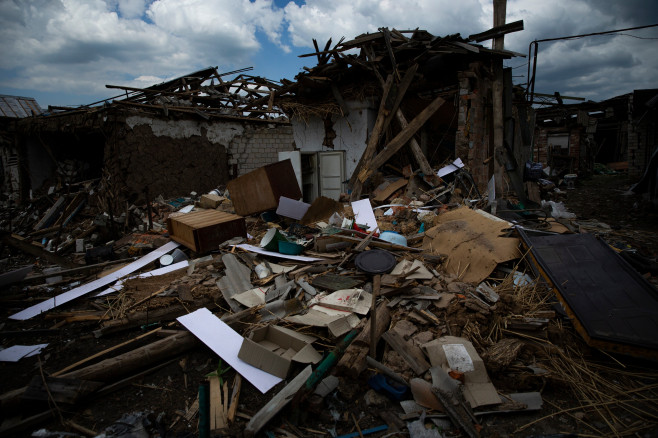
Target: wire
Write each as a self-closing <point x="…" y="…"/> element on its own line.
<point x="595" y="33"/>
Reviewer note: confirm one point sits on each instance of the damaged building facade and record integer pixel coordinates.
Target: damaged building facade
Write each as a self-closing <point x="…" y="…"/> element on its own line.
<point x="153" y="142"/>
<point x="619" y="132"/>
<point x="370" y="96"/>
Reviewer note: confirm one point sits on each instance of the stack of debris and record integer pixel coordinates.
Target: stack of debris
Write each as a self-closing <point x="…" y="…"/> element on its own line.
<point x="414" y="312"/>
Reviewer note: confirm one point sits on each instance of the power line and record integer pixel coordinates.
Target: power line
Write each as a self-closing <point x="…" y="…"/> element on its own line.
<point x="532" y="61"/>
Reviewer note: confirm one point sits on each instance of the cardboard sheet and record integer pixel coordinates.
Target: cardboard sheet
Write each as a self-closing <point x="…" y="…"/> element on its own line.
<point x="422" y="273"/>
<point x="258" y="250"/>
<point x="472" y="243"/>
<point x="18" y="352"/>
<point x="351" y="300"/>
<point x="252" y="297"/>
<point x="51" y="303"/>
<point x="226" y="342"/>
<point x="363" y="214"/>
<point x="274" y="348"/>
<point x="453" y="353"/>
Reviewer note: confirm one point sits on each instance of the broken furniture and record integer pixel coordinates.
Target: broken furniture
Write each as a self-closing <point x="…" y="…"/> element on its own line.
<point x="202" y="231"/>
<point x="260" y="189"/>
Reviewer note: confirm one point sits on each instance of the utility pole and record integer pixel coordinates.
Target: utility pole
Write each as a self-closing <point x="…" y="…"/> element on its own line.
<point x="499" y="14"/>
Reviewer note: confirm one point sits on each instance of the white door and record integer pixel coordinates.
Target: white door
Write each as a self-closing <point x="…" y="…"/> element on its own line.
<point x="295" y="158"/>
<point x="332" y="173"/>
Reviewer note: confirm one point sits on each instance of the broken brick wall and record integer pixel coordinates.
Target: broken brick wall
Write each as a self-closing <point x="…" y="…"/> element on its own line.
<point x="642" y="142"/>
<point x="175" y="157"/>
<point x="473" y="139"/>
<point x="259" y="145"/>
<point x="540" y="148"/>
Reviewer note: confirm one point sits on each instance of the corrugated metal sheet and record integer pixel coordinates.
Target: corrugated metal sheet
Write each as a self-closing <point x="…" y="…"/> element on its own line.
<point x="18" y="107"/>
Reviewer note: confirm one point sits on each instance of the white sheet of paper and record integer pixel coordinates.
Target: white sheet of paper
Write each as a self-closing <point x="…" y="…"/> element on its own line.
<point x="93" y="285"/>
<point x="292" y="208"/>
<point x="258" y="250"/>
<point x="226" y="342"/>
<point x="458" y="357"/>
<point x="17" y="352"/>
<point x="447" y="170"/>
<point x="154" y="273"/>
<point x="363" y="214"/>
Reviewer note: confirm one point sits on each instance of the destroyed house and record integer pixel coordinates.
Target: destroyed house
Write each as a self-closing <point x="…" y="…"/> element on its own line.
<point x="353" y="113"/>
<point x="192" y="133"/>
<point x="619" y="132"/>
<point x="12" y="108"/>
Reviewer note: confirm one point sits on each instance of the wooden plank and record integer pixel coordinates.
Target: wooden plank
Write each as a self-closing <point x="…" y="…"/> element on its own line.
<point x="102" y="353"/>
<point x="376" y="283"/>
<point x="377" y="131"/>
<point x="20" y="243"/>
<point x="67" y="391"/>
<point x="235" y="397"/>
<point x="497" y="31"/>
<point x="399" y="91"/>
<point x="415" y="147"/>
<point x="217" y="420"/>
<point x="409" y="352"/>
<point x="277" y="403"/>
<point x="404" y="136"/>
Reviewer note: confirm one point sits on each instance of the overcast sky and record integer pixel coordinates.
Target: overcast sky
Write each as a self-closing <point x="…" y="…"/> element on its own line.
<point x="64" y="52"/>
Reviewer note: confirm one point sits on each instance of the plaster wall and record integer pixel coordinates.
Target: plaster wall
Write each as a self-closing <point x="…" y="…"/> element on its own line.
<point x="175" y="157"/>
<point x="351" y="133"/>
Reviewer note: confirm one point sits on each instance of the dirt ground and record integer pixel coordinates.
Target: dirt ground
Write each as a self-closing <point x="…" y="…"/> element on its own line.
<point x="168" y="392"/>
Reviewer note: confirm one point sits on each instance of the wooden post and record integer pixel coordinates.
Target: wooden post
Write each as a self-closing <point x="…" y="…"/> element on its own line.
<point x="376" y="283"/>
<point x="500" y="9"/>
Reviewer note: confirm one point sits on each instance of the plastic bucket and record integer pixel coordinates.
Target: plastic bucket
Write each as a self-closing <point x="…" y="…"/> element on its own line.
<point x="270" y="240"/>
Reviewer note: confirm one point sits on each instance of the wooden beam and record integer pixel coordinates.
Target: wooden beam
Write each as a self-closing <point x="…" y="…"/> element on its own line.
<point x="277" y="403"/>
<point x="420" y="157"/>
<point x="500" y="7"/>
<point x="409" y="352"/>
<point x="496" y="32"/>
<point x="403" y="137"/>
<point x="376" y="134"/>
<point x="20" y="243"/>
<point x="399" y="91"/>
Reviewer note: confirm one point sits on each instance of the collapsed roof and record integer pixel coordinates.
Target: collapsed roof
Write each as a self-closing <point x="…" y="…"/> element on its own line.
<point x="203" y="93"/>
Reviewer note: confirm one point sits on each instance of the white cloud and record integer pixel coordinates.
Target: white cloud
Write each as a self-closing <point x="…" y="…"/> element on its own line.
<point x="78" y="46"/>
<point x="132" y="8"/>
<point x="321" y="20"/>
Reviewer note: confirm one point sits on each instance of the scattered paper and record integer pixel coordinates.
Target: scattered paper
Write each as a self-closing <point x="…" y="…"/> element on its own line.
<point x="92" y="286"/>
<point x="18" y="352"/>
<point x="226" y="342"/>
<point x="458" y="357"/>
<point x="292" y="208"/>
<point x="363" y="214"/>
<point x="351" y="300"/>
<point x="450" y="168"/>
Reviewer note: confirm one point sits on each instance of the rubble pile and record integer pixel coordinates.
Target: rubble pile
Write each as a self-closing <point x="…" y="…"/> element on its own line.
<point x="412" y="312"/>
